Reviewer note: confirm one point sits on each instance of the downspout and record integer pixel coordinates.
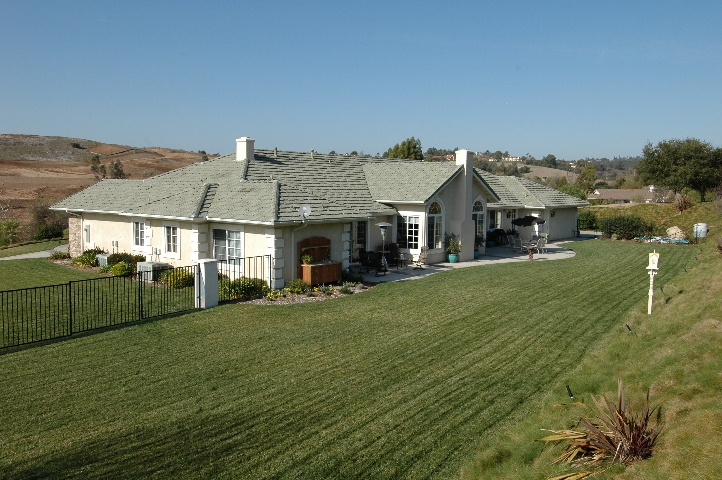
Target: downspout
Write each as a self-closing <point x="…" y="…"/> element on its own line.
<point x="294" y="263"/>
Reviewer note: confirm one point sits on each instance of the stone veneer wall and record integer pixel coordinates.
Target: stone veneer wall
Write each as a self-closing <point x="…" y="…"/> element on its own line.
<point x="75" y="236"/>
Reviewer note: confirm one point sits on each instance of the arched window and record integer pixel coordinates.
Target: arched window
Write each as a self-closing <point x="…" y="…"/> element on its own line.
<point x="435" y="226"/>
<point x="477" y="214"/>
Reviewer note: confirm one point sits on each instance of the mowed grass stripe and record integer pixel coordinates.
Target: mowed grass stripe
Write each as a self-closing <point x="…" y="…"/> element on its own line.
<point x="399" y="381"/>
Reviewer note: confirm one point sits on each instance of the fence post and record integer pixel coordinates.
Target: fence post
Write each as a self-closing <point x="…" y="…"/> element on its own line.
<point x="206" y="284"/>
<point x="139" y="275"/>
<point x="70" y="308"/>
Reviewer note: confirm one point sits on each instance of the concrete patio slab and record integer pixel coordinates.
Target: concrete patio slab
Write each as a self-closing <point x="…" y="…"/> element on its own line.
<point x="493" y="255"/>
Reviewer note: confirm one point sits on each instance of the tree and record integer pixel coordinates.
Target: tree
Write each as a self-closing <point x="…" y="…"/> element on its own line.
<point x="97" y="168"/>
<point x="679" y="164"/>
<point x="574" y="191"/>
<point x="116" y="170"/>
<point x="585" y="181"/>
<point x="409" y="149"/>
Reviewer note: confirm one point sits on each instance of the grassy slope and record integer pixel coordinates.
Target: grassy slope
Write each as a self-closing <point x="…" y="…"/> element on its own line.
<point x="663" y="215"/>
<point x="398" y="381"/>
<point x="673" y="352"/>
<point x="36" y="272"/>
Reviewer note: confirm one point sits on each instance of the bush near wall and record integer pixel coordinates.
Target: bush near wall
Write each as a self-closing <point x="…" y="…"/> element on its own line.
<point x="626" y="227"/>
<point x="242" y="288"/>
<point x="88" y="258"/>
<point x="587" y="220"/>
<point x="176" y="278"/>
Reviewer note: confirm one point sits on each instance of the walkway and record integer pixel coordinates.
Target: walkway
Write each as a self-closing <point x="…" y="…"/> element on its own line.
<point x="42" y="254"/>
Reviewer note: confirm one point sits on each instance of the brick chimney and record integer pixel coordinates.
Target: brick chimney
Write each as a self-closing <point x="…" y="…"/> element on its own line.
<point x="244" y="149"/>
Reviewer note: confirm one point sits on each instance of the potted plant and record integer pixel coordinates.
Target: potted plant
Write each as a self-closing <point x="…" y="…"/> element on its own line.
<point x="452" y="245"/>
<point x="306" y="259"/>
<point x="479" y="241"/>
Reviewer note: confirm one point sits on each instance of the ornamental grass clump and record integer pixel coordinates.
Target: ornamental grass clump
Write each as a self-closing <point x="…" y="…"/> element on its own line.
<point x="618" y="434"/>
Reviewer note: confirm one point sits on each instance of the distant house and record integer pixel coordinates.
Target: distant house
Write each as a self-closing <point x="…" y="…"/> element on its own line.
<point x="621" y="195"/>
<point x="269" y="202"/>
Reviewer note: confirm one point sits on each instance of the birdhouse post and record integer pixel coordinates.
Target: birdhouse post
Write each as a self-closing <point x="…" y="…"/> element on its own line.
<point x="653" y="267"/>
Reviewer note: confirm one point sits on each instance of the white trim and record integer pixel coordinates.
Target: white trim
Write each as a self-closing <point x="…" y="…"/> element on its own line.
<point x="443" y="223"/>
<point x="147" y="235"/>
<point x="177" y="254"/>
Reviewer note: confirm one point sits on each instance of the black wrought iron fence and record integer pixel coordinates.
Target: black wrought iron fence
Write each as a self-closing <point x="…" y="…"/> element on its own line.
<point x="29" y="315"/>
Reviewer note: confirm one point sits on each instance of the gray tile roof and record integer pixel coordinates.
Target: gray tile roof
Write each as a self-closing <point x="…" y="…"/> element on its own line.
<point x="517" y="192"/>
<point x="408" y="181"/>
<point x="271" y="188"/>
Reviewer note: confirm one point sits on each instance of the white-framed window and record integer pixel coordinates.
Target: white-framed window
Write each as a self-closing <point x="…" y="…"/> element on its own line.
<point x="407" y="231"/>
<point x="139" y="233"/>
<point x="226" y="244"/>
<point x="87" y="233"/>
<point x="171" y="241"/>
<point x="435" y="226"/>
<point x="477" y="215"/>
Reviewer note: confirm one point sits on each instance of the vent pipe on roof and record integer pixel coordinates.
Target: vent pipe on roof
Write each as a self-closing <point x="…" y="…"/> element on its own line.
<point x="244" y="149"/>
<point x="275" y="152"/>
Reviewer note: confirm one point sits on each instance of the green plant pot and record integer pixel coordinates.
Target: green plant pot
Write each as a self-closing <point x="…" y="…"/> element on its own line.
<point x="490" y="243"/>
<point x="477" y="254"/>
<point x="453" y="257"/>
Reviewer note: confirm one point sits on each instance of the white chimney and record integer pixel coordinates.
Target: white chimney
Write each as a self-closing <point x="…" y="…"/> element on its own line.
<point x="244" y="149"/>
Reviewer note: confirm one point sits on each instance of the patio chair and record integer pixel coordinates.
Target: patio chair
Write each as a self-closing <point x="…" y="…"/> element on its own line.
<point x="510" y="241"/>
<point x="541" y="245"/>
<point x="518" y="246"/>
<point x="394" y="257"/>
<point x="421" y="259"/>
<point x="374" y="261"/>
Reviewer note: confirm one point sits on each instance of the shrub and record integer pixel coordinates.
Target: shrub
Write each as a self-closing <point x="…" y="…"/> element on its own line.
<point x="88" y="258"/>
<point x="7" y="232"/>
<point x="348" y="276"/>
<point x="587" y="220"/>
<point x="243" y="288"/>
<point x="114" y="258"/>
<point x="626" y="227"/>
<point x="297" y="286"/>
<point x="47" y="232"/>
<point x="176" y="278"/>
<point x="59" y="256"/>
<point x="682" y="202"/>
<point x="122" y="269"/>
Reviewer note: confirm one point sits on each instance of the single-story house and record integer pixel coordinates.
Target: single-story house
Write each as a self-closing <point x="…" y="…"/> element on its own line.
<point x="276" y="203"/>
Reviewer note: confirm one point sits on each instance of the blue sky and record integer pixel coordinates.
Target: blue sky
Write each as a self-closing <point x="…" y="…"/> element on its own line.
<point x="575" y="79"/>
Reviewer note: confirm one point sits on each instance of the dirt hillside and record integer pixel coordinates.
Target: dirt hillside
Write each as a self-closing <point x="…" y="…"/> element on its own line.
<point x="37" y="170"/>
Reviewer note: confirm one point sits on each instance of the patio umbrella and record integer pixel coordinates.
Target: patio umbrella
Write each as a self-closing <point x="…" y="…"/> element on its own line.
<point x="527" y="221"/>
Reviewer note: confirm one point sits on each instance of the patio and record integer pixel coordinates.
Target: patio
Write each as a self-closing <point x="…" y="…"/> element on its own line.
<point x="493" y="255"/>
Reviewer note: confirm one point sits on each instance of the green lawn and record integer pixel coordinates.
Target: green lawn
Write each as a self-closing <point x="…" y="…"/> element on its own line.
<point x="36" y="272"/>
<point x="401" y="381"/>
